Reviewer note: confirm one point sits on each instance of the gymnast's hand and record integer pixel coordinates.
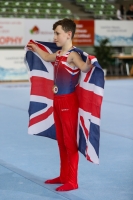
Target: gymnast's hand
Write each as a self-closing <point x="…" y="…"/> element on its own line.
<point x="88" y="62"/>
<point x="32" y="47"/>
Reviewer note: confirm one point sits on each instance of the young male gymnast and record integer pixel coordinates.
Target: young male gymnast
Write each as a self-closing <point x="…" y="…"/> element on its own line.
<point x="67" y="66"/>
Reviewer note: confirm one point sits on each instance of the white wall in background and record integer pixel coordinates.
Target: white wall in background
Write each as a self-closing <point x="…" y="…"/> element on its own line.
<point x="12" y="65"/>
<point x="120" y="33"/>
<point x="12" y="32"/>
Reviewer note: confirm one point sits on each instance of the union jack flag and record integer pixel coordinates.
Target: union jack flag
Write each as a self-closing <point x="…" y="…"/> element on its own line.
<point x="89" y="91"/>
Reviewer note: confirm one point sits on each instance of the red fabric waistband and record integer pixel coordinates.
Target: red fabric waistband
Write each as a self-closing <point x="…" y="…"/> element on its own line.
<point x="64" y="95"/>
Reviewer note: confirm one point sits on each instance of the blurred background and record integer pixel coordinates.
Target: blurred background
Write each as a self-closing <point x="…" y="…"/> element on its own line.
<point x="104" y="29"/>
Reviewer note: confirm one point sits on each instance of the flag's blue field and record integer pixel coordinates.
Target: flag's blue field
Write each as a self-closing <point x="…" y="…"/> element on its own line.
<point x="27" y="161"/>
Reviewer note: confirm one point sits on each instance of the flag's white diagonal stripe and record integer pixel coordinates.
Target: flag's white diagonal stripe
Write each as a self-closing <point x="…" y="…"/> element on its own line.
<point x="92" y="87"/>
<point x="39" y="112"/>
<point x="88" y="116"/>
<point x="92" y="153"/>
<point x="41" y="126"/>
<point x="41" y="99"/>
<point x="43" y="74"/>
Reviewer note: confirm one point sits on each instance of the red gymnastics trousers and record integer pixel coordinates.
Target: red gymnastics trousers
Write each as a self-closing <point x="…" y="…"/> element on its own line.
<point x="66" y="117"/>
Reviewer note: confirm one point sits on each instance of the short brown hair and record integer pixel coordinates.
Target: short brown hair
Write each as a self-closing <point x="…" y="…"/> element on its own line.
<point x="67" y="25"/>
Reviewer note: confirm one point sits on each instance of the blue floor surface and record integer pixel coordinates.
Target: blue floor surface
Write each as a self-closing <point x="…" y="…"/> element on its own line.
<point x="27" y="161"/>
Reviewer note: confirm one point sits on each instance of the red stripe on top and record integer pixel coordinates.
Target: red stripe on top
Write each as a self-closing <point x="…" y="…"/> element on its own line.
<point x="58" y="53"/>
<point x="42" y="87"/>
<point x="41" y="117"/>
<point x="88" y="158"/>
<point x="83" y="125"/>
<point x="64" y="58"/>
<point x="87" y="75"/>
<point x="92" y="102"/>
<point x="72" y="70"/>
<point x="91" y="57"/>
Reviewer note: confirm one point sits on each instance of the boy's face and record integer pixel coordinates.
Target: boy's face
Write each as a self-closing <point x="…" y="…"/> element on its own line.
<point x="60" y="36"/>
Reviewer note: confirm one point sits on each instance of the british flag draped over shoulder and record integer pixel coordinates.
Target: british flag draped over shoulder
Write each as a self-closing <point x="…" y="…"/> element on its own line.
<point x="89" y="91"/>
